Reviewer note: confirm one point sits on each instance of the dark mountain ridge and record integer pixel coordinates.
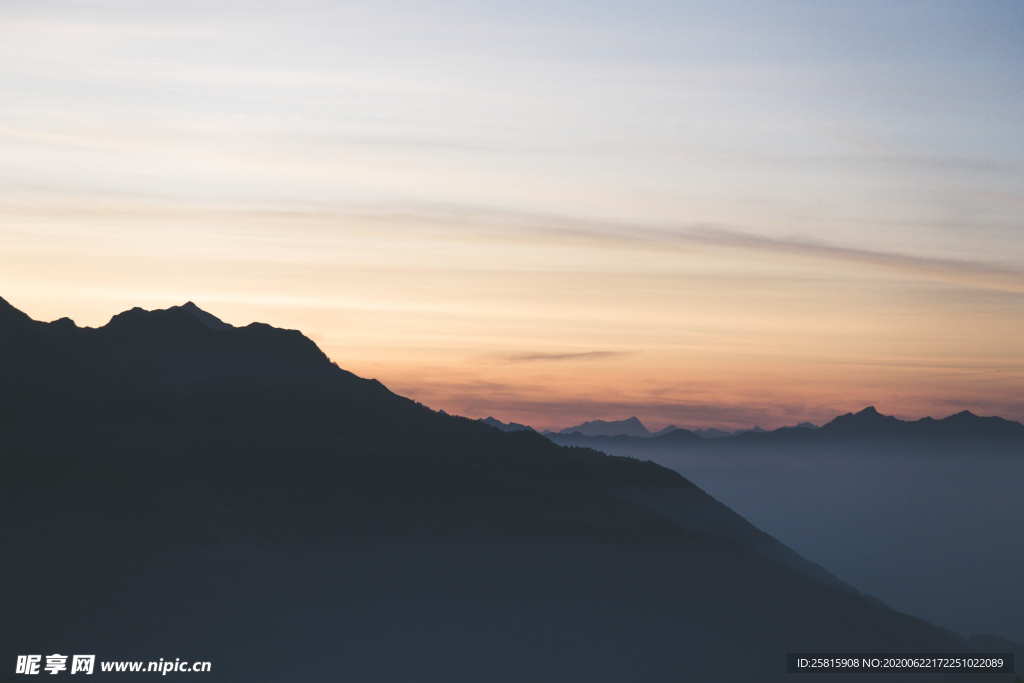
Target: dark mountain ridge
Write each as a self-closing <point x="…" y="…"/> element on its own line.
<point x="224" y="490"/>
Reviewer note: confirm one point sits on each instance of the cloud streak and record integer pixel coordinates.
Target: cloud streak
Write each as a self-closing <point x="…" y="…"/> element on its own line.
<point x="569" y="356"/>
<point x="963" y="271"/>
<point x="515" y="225"/>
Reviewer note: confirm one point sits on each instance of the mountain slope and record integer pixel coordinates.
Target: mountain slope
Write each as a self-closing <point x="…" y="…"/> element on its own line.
<point x="180" y="487"/>
<point x="505" y="426"/>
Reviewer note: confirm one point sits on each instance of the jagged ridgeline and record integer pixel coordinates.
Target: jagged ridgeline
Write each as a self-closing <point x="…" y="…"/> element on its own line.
<point x="176" y="486"/>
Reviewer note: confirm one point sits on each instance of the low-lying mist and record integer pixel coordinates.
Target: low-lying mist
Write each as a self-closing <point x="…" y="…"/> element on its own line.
<point x="934" y="530"/>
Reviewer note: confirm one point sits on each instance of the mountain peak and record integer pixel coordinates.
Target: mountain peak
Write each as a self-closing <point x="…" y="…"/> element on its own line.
<point x="181" y="346"/>
<point x="865" y="421"/>
<point x="869" y="422"/>
<point x="172" y="317"/>
<point x="631" y="426"/>
<point x="870" y="413"/>
<point x="207" y="319"/>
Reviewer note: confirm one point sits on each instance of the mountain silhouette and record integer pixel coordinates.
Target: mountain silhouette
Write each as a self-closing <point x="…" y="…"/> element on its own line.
<point x="703" y="432"/>
<point x="870" y="423"/>
<point x="631" y="426"/>
<point x="11" y="318"/>
<point x="506" y="426"/>
<point x="211" y="321"/>
<point x="867" y="424"/>
<point x="175" y="484"/>
<point x="867" y="421"/>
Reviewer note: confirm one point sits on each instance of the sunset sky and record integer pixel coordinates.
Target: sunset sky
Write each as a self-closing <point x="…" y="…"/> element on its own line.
<point x="701" y="213"/>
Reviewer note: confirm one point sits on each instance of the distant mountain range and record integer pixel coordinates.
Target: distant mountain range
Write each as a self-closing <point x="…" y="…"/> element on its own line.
<point x="866" y="424"/>
<point x="171" y="483"/>
<point x="866" y="485"/>
<point x="713" y="433"/>
<point x="631" y="426"/>
<point x="870" y="423"/>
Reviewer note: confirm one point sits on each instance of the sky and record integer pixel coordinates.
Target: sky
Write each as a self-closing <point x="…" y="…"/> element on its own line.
<point x="701" y="213"/>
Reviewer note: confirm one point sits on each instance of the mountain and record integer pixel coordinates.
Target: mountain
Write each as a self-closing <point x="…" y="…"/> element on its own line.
<point x="713" y="433"/>
<point x="703" y="432"/>
<point x="211" y="321"/>
<point x="11" y="319"/>
<point x="629" y="427"/>
<point x="869" y="423"/>
<point x="893" y="494"/>
<point x="174" y="484"/>
<point x="664" y="440"/>
<point x="506" y="426"/>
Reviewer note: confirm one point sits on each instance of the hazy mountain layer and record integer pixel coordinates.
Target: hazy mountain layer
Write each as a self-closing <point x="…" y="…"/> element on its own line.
<point x="924" y="514"/>
<point x="631" y="426"/>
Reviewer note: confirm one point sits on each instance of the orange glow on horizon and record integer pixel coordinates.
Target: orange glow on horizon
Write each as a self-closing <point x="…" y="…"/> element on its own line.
<point x="552" y="328"/>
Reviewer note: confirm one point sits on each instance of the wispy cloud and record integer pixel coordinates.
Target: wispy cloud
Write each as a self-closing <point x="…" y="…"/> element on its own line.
<point x="981" y="272"/>
<point x="578" y="355"/>
<point x="516" y="224"/>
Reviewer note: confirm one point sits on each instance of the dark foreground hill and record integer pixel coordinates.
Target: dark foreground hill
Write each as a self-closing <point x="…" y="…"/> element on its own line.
<point x="176" y="487"/>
